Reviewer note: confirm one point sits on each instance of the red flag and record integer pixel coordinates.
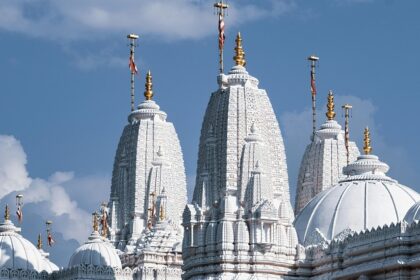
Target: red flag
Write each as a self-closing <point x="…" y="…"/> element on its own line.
<point x="132" y="65"/>
<point x="51" y="241"/>
<point x="221" y="32"/>
<point x="313" y="88"/>
<point x="19" y="213"/>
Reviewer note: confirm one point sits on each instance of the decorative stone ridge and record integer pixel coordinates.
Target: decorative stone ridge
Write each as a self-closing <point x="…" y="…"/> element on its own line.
<point x="240" y="221"/>
<point x="323" y="162"/>
<point x="364" y="256"/>
<point x="87" y="272"/>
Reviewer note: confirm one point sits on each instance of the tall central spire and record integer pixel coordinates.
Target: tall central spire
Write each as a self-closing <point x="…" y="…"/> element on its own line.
<point x="239" y="57"/>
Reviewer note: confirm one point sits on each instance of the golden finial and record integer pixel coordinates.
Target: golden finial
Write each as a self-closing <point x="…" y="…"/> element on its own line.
<point x="330" y="106"/>
<point x="239" y="51"/>
<point x="95" y="223"/>
<point x="39" y="245"/>
<point x="7" y="213"/>
<point x="162" y="214"/>
<point x="149" y="86"/>
<point x="367" y="148"/>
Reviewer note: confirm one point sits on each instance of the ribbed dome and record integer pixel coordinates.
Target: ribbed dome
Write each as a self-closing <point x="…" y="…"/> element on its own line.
<point x="413" y="214"/>
<point x="18" y="253"/>
<point x="366" y="199"/>
<point x="96" y="252"/>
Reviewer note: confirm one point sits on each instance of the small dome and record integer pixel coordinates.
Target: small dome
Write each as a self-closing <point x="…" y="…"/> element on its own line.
<point x="96" y="252"/>
<point x="413" y="214"/>
<point x="18" y="253"/>
<point x="366" y="199"/>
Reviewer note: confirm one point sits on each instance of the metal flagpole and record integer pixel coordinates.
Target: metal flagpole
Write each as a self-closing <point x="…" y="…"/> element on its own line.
<point x="221" y="7"/>
<point x="313" y="60"/>
<point x="347" y="108"/>
<point x="133" y="68"/>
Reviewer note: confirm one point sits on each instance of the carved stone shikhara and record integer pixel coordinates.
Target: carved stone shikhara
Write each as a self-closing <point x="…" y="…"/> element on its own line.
<point x="239" y="223"/>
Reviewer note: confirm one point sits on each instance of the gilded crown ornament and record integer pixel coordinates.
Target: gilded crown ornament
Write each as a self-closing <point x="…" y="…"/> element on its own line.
<point x="95" y="223"/>
<point x="148" y="86"/>
<point x="39" y="244"/>
<point x="367" y="147"/>
<point x="239" y="57"/>
<point x="7" y="213"/>
<point x="330" y="106"/>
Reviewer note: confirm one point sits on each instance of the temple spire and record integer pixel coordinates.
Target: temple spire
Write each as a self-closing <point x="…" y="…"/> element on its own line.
<point x="148" y="93"/>
<point x="221" y="7"/>
<point x="239" y="57"/>
<point x="330" y="106"/>
<point x="367" y="148"/>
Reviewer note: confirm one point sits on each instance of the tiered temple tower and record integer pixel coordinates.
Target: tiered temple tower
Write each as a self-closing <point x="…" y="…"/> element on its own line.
<point x="148" y="193"/>
<point x="324" y="159"/>
<point x="239" y="223"/>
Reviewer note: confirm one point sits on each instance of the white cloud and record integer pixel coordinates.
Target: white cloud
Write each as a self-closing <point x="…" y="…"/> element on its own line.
<point x="55" y="198"/>
<point x="13" y="174"/>
<point x="164" y="19"/>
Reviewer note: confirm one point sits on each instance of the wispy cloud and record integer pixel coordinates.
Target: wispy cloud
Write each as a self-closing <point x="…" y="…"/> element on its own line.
<point x="164" y="19"/>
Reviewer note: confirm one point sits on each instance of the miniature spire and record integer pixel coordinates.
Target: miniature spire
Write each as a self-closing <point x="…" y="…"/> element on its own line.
<point x="7" y="213"/>
<point x="95" y="223"/>
<point x="367" y="148"/>
<point x="239" y="57"/>
<point x="148" y="94"/>
<point x="132" y="65"/>
<point x="39" y="244"/>
<point x="330" y="106"/>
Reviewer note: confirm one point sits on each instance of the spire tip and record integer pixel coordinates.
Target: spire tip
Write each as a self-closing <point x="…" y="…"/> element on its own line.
<point x="367" y="148"/>
<point x="330" y="106"/>
<point x="148" y="93"/>
<point x="239" y="57"/>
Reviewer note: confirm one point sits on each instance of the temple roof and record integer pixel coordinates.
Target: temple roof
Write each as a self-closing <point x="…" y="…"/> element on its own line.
<point x="366" y="199"/>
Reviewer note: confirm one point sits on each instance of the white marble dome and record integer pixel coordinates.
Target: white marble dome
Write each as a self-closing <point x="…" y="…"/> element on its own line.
<point x="413" y="214"/>
<point x="17" y="252"/>
<point x="96" y="252"/>
<point x="366" y="199"/>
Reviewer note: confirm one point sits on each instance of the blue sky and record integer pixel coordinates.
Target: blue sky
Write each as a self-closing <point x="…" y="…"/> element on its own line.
<point x="65" y="85"/>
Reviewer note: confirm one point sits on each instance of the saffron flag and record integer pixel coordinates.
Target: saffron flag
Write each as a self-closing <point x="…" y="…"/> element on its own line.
<point x="19" y="213"/>
<point x="313" y="88"/>
<point x="132" y="65"/>
<point x="221" y="32"/>
<point x="51" y="241"/>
